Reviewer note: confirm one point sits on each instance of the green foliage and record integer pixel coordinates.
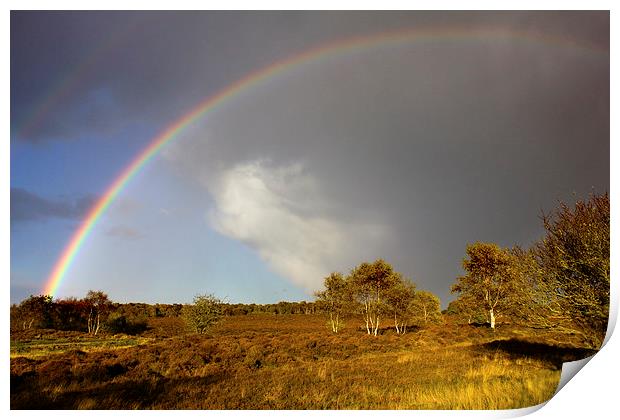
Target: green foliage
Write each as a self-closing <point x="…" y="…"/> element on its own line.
<point x="205" y="312"/>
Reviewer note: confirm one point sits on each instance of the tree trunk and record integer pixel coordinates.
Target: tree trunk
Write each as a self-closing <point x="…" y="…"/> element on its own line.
<point x="372" y="323"/>
<point x="97" y="324"/>
<point x="367" y="317"/>
<point x="492" y="318"/>
<point x="90" y="321"/>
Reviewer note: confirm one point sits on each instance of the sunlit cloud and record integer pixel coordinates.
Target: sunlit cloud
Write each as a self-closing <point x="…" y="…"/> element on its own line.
<point x="273" y="210"/>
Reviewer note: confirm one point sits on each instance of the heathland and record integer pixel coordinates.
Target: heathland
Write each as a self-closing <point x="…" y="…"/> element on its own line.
<point x="288" y="361"/>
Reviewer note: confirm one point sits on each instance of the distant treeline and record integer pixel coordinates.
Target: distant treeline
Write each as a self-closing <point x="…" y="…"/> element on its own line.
<point x="279" y="308"/>
<point x="96" y="312"/>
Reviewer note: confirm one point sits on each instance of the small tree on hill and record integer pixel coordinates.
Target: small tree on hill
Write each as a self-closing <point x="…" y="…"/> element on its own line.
<point x="98" y="306"/>
<point x="370" y="281"/>
<point x="205" y="312"/>
<point x="425" y="308"/>
<point x="335" y="299"/>
<point x="487" y="283"/>
<point x="399" y="299"/>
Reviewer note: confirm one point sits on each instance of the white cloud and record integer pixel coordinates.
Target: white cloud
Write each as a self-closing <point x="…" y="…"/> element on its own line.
<point x="279" y="212"/>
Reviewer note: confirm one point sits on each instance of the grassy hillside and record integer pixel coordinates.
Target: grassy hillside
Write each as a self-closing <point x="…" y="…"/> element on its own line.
<point x="265" y="361"/>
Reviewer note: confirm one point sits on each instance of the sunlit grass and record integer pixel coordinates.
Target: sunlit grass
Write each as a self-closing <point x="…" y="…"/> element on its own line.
<point x="280" y="362"/>
<point x="40" y="348"/>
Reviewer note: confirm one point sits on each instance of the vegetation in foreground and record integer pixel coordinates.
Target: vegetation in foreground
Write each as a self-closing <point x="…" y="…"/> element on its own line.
<point x="266" y="361"/>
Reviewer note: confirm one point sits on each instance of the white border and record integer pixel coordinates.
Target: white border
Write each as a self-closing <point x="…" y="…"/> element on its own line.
<point x="592" y="394"/>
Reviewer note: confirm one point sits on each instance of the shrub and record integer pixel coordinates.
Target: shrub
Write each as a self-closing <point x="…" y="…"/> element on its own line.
<point x="205" y="312"/>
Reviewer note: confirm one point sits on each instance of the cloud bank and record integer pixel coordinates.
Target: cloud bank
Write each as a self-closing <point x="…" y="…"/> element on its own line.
<point x="279" y="212"/>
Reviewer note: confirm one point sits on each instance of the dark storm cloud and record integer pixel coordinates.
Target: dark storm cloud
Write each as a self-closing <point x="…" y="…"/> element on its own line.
<point x="87" y="72"/>
<point x="28" y="206"/>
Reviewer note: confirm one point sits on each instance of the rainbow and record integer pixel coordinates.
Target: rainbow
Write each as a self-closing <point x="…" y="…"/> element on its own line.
<point x="71" y="250"/>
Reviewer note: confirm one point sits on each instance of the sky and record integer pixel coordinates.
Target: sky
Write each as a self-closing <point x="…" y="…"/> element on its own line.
<point x="406" y="151"/>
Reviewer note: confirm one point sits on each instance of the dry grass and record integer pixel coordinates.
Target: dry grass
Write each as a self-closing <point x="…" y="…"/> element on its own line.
<point x="294" y="362"/>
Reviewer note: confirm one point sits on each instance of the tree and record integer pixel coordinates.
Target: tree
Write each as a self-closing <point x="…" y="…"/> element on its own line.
<point x="399" y="299"/>
<point x="369" y="283"/>
<point x="98" y="306"/>
<point x="466" y="308"/>
<point x="570" y="268"/>
<point x="487" y="282"/>
<point x="335" y="299"/>
<point x="33" y="312"/>
<point x="70" y="314"/>
<point x="425" y="308"/>
<point x="205" y="312"/>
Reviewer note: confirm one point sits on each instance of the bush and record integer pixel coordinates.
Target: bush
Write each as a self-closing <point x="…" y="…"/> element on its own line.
<point x="205" y="312"/>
